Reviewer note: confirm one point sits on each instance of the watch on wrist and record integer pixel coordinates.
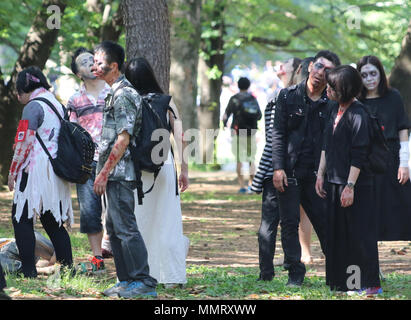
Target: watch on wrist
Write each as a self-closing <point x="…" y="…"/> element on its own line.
<point x="350" y="185"/>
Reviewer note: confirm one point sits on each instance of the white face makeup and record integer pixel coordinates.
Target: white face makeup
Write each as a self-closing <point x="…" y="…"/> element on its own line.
<point x="85" y="62"/>
<point x="370" y="76"/>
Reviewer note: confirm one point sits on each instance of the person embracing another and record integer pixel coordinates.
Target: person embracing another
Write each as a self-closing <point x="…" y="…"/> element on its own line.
<point x="116" y="176"/>
<point x="86" y="108"/>
<point x="300" y="118"/>
<point x="351" y="233"/>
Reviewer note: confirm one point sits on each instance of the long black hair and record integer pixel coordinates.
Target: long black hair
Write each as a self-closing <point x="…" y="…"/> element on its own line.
<point x="383" y="86"/>
<point x="31" y="78"/>
<point x="139" y="72"/>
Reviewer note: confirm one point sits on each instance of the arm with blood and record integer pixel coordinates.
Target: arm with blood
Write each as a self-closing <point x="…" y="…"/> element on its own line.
<point x="116" y="153"/>
<point x="23" y="144"/>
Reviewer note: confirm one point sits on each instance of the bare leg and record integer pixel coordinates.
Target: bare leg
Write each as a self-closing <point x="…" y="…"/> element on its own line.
<point x="240" y="175"/>
<point x="95" y="242"/>
<point x="304" y="233"/>
<point x="252" y="173"/>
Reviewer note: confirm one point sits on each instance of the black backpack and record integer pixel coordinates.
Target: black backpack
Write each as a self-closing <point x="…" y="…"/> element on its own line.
<point x="248" y="113"/>
<point x="379" y="151"/>
<point x="75" y="151"/>
<point x="145" y="158"/>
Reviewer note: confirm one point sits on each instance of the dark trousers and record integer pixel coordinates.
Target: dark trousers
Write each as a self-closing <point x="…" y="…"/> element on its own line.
<point x="26" y="241"/>
<point x="300" y="190"/>
<point x="267" y="233"/>
<point x="2" y="279"/>
<point x="129" y="249"/>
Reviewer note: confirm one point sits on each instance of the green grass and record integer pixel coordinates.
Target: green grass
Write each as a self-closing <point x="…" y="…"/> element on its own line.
<point x="207" y="283"/>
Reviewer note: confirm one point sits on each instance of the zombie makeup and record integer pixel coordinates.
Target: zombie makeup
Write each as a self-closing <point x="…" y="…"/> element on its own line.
<point x="318" y="70"/>
<point x="85" y="62"/>
<point x="370" y="76"/>
<point x="100" y="68"/>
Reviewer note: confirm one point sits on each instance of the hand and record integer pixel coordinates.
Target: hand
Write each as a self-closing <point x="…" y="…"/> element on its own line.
<point x="183" y="181"/>
<point x="10" y="182"/>
<point x="280" y="179"/>
<point x="319" y="187"/>
<point x="100" y="184"/>
<point x="347" y="197"/>
<point x="403" y="175"/>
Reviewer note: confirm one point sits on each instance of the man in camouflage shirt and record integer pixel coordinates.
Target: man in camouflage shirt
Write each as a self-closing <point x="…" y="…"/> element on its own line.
<point x="116" y="177"/>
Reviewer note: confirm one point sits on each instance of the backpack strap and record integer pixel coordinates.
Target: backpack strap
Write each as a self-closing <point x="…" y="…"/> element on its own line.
<point x="46" y="101"/>
<point x="58" y="115"/>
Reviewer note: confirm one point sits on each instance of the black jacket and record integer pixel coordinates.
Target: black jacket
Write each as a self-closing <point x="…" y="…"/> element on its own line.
<point x="348" y="145"/>
<point x="290" y="123"/>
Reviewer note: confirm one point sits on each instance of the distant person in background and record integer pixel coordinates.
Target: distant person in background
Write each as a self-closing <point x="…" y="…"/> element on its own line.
<point x="246" y="113"/>
<point x="393" y="188"/>
<point x="86" y="108"/>
<point x="263" y="182"/>
<point x="305" y="227"/>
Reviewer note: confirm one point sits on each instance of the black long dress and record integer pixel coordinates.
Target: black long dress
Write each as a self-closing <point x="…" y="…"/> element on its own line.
<point x="351" y="232"/>
<point x="392" y="200"/>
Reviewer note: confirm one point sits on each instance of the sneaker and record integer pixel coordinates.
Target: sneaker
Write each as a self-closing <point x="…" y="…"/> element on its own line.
<point x="137" y="289"/>
<point x="114" y="290"/>
<point x="242" y="190"/>
<point x="366" y="291"/>
<point x="94" y="266"/>
<point x="249" y="190"/>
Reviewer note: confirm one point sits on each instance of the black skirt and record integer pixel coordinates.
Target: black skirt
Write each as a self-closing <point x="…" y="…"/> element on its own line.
<point x="393" y="202"/>
<point x="351" y="240"/>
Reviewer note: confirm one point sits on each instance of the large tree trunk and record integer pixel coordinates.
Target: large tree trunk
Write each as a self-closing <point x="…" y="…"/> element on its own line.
<point x="34" y="52"/>
<point x="148" y="35"/>
<point x="400" y="77"/>
<point x="185" y="43"/>
<point x="211" y="82"/>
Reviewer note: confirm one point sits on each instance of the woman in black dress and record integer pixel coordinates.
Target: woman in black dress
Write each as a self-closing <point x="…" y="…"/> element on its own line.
<point x="352" y="254"/>
<point x="392" y="189"/>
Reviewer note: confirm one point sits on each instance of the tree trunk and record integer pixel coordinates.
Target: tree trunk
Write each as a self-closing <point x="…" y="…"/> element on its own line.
<point x="400" y="77"/>
<point x="185" y="43"/>
<point x="148" y="35"/>
<point x="35" y="51"/>
<point x="111" y="23"/>
<point x="211" y="71"/>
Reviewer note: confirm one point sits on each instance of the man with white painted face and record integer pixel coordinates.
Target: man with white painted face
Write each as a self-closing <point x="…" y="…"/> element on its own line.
<point x="301" y="114"/>
<point x="86" y="108"/>
<point x="116" y="177"/>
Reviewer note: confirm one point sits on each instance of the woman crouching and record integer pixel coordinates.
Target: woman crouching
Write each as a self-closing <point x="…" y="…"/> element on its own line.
<point x="352" y="256"/>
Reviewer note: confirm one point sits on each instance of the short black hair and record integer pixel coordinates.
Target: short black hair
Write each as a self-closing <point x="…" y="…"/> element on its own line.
<point x="243" y="83"/>
<point x="113" y="51"/>
<point x="141" y="75"/>
<point x="78" y="52"/>
<point x="304" y="66"/>
<point x="345" y="81"/>
<point x="31" y="78"/>
<point x="331" y="56"/>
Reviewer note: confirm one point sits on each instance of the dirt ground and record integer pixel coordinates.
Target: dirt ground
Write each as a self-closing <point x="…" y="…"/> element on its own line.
<point x="224" y="232"/>
<point x="229" y="230"/>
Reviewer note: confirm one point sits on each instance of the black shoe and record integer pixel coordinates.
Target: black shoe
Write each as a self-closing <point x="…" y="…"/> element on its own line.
<point x="294" y="282"/>
<point x="4" y="296"/>
<point x="265" y="278"/>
